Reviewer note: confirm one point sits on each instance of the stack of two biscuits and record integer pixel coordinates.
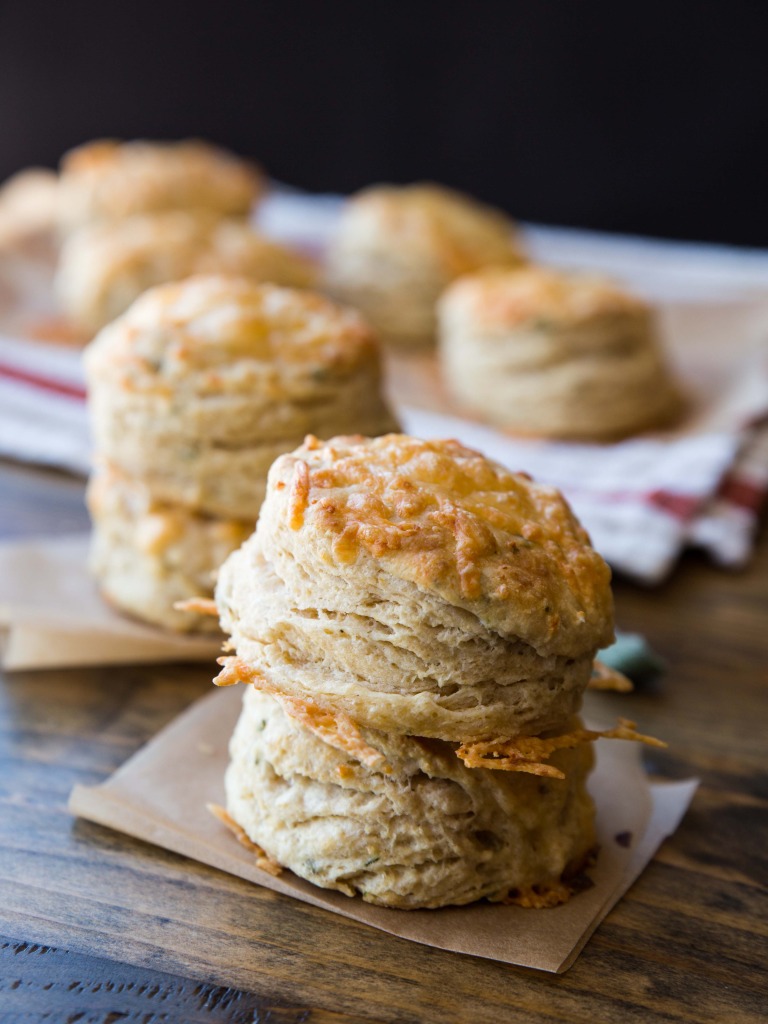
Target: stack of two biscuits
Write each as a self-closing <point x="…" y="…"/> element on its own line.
<point x="413" y="617"/>
<point x="194" y="392"/>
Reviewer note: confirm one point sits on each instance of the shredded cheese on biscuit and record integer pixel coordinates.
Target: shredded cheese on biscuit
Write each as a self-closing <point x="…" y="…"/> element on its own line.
<point x="527" y="753"/>
<point x="539" y="897"/>
<point x="299" y="495"/>
<point x="199" y="605"/>
<point x="263" y="860"/>
<point x="332" y="727"/>
<point x="606" y="678"/>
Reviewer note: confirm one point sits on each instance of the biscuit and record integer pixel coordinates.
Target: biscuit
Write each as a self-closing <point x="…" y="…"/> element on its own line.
<point x="146" y="556"/>
<point x="397" y="248"/>
<point x="29" y="204"/>
<point x="104" y="267"/>
<point x="428" y="834"/>
<point x="108" y="180"/>
<point x="201" y="384"/>
<point x="418" y="588"/>
<point x="556" y="354"/>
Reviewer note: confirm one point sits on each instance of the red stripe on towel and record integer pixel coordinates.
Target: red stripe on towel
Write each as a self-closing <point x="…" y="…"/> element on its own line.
<point x="45" y="383"/>
<point x="681" y="506"/>
<point x="741" y="493"/>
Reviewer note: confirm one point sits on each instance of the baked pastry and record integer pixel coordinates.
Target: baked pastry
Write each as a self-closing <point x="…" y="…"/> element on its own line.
<point x="29" y="203"/>
<point x="107" y="180"/>
<point x="147" y="556"/>
<point x="397" y="248"/>
<point x="552" y="353"/>
<point x="427" y="833"/>
<point x="201" y="384"/>
<point x="416" y="588"/>
<point x="418" y="625"/>
<point x="104" y="267"/>
<point x="193" y="393"/>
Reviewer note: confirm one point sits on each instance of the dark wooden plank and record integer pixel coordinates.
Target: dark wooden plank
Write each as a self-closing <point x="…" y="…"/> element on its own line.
<point x="688" y="943"/>
<point x="91" y="990"/>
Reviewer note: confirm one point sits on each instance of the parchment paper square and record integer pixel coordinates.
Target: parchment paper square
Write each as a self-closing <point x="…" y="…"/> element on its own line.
<point x="149" y="799"/>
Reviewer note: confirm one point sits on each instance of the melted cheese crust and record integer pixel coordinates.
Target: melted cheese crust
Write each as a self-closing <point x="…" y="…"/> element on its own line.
<point x="214" y="333"/>
<point x="501" y="297"/>
<point x="454" y="523"/>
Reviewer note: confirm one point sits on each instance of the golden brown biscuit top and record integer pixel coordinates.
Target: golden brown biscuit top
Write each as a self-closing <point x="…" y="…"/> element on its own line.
<point x="447" y="519"/>
<point x="535" y="295"/>
<point x="432" y="222"/>
<point x="108" y="179"/>
<point x="214" y="334"/>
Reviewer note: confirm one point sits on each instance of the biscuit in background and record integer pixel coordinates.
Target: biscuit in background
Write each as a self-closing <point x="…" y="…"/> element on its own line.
<point x="105" y="266"/>
<point x="29" y="204"/>
<point x="553" y="353"/>
<point x="397" y="248"/>
<point x="107" y="180"/>
<point x="201" y="384"/>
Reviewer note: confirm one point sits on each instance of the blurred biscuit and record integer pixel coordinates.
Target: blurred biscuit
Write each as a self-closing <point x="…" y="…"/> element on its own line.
<point x="201" y="384"/>
<point x="146" y="555"/>
<point x="428" y="834"/>
<point x="418" y="588"/>
<point x="104" y="267"/>
<point x="556" y="354"/>
<point x="29" y="204"/>
<point x="397" y="248"/>
<point x="107" y="180"/>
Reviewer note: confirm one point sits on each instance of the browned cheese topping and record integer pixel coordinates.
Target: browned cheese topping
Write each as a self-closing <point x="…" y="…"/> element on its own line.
<point x="456" y="524"/>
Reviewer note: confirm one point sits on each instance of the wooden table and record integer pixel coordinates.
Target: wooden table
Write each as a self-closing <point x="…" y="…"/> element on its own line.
<point x="99" y="927"/>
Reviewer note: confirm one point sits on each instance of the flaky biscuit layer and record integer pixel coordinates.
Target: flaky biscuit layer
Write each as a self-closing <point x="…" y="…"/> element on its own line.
<point x="426" y="833"/>
<point x="388" y="655"/>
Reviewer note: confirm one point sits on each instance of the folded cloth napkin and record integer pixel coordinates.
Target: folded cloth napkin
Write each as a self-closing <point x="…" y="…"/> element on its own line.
<point x="643" y="500"/>
<point x="42" y="405"/>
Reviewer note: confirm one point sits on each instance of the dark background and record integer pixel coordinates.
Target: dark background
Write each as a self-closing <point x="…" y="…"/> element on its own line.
<point x="639" y="117"/>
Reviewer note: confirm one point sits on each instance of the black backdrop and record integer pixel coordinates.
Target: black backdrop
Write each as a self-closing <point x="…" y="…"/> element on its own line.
<point x="644" y="117"/>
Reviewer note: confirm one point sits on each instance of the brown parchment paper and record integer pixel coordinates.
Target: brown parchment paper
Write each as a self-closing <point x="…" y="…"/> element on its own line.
<point x="52" y="615"/>
<point x="149" y="799"/>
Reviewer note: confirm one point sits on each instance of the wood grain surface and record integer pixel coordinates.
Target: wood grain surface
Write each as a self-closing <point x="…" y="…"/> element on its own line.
<point x="99" y="927"/>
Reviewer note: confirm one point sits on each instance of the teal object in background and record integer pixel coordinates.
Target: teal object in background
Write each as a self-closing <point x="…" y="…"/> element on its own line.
<point x="632" y="656"/>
